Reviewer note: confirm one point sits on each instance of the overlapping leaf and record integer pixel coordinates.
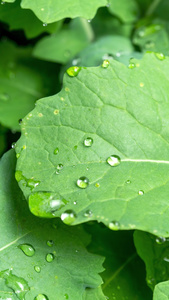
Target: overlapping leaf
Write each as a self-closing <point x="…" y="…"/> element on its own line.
<point x="161" y="291"/>
<point x="39" y="256"/>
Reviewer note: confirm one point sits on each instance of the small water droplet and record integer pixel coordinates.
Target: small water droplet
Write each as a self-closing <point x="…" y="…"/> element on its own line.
<point x="160" y="240"/>
<point x="56" y="151"/>
<point x="97" y="185"/>
<point x="68" y="217"/>
<point x="45" y="24"/>
<point x="49" y="257"/>
<point x="141" y="192"/>
<point x="73" y="71"/>
<point x="160" y="56"/>
<point x="88" y="213"/>
<point x="17" y="155"/>
<point x="131" y="66"/>
<point x="41" y="297"/>
<point x="56" y="111"/>
<point x="42" y="9"/>
<point x="4" y="97"/>
<point x="128" y="181"/>
<point x="114" y="225"/>
<point x="113" y="160"/>
<point x="20" y="121"/>
<point x="83" y="182"/>
<point x="50" y="243"/>
<point x="13" y="145"/>
<point x="37" y="269"/>
<point x="88" y="142"/>
<point x="59" y="167"/>
<point x="27" y="249"/>
<point x="75" y="202"/>
<point x="105" y="63"/>
<point x="32" y="183"/>
<point x="89" y="20"/>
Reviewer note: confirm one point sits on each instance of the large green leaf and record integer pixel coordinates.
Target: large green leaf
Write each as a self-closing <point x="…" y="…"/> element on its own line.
<point x="155" y="253"/>
<point x="18" y="18"/>
<point x="52" y="11"/>
<point x="22" y="81"/>
<point x="121" y="277"/>
<point x="161" y="291"/>
<point x="40" y="256"/>
<point x="124" y="111"/>
<point x="62" y="46"/>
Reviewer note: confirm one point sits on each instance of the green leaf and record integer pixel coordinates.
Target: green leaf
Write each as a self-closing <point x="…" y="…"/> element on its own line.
<point x="121" y="277"/>
<point x="161" y="291"/>
<point x="65" y="44"/>
<point x="22" y="81"/>
<point x="127" y="11"/>
<point x="18" y="18"/>
<point x="155" y="253"/>
<point x="52" y="11"/>
<point x="41" y="256"/>
<point x="125" y="112"/>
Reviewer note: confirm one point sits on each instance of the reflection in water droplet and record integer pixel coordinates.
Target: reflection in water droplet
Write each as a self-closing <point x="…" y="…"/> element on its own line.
<point x="141" y="192"/>
<point x="114" y="225"/>
<point x="41" y="297"/>
<point x="45" y="24"/>
<point x="73" y="71"/>
<point x="37" y="269"/>
<point x="68" y="217"/>
<point x="113" y="160"/>
<point x="27" y="249"/>
<point x="105" y="63"/>
<point x="13" y="145"/>
<point x="56" y="151"/>
<point x="49" y="257"/>
<point x="88" y="213"/>
<point x="18" y="284"/>
<point x="131" y="66"/>
<point x="160" y="240"/>
<point x="160" y="56"/>
<point x="88" y="142"/>
<point x="50" y="243"/>
<point x="83" y="182"/>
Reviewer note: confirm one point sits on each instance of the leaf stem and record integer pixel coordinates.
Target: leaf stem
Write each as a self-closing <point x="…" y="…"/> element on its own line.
<point x="152" y="7"/>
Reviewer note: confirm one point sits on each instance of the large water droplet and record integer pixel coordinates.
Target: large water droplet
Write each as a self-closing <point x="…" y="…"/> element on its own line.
<point x="41" y="297"/>
<point x="68" y="217"/>
<point x="27" y="249"/>
<point x="37" y="269"/>
<point x="56" y="151"/>
<point x="113" y="160"/>
<point x="49" y="257"/>
<point x="88" y="142"/>
<point x="114" y="225"/>
<point x="73" y="71"/>
<point x="105" y="63"/>
<point x="18" y="284"/>
<point x="50" y="243"/>
<point x="83" y="182"/>
<point x="160" y="240"/>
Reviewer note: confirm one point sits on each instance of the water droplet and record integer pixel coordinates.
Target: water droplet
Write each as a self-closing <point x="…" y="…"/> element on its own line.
<point x="75" y="202"/>
<point x="42" y="9"/>
<point x="56" y="111"/>
<point x="17" y="155"/>
<point x="13" y="145"/>
<point x="141" y="192"/>
<point x="128" y="181"/>
<point x="113" y="160"/>
<point x="105" y="63"/>
<point x="68" y="217"/>
<point x="88" y="142"/>
<point x="50" y="243"/>
<point x="97" y="184"/>
<point x="49" y="257"/>
<point x="27" y="249"/>
<point x="66" y="296"/>
<point x="160" y="240"/>
<point x="18" y="284"/>
<point x="141" y="84"/>
<point x="131" y="66"/>
<point x="4" y="97"/>
<point x="40" y="115"/>
<point x="83" y="182"/>
<point x="41" y="297"/>
<point x="32" y="183"/>
<point x="45" y="24"/>
<point x="73" y="71"/>
<point x="20" y="121"/>
<point x="160" y="56"/>
<point x="88" y="213"/>
<point x="37" y="269"/>
<point x="59" y="168"/>
<point x="89" y="20"/>
<point x="56" y="151"/>
<point x="114" y="225"/>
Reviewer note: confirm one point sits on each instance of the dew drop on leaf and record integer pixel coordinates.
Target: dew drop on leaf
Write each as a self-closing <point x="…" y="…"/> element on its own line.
<point x="160" y="240"/>
<point x="83" y="182"/>
<point x="88" y="142"/>
<point x="49" y="257"/>
<point x="114" y="225"/>
<point x="160" y="56"/>
<point x="41" y="297"/>
<point x="56" y="151"/>
<point x="97" y="185"/>
<point x="68" y="217"/>
<point x="37" y="269"/>
<point x="13" y="145"/>
<point x="141" y="192"/>
<point x="27" y="249"/>
<point x="59" y="167"/>
<point x="128" y="181"/>
<point x="105" y="63"/>
<point x="45" y="24"/>
<point x="73" y="71"/>
<point x="131" y="66"/>
<point x="88" y="213"/>
<point x="50" y="243"/>
<point x="20" y="121"/>
<point x="113" y="160"/>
